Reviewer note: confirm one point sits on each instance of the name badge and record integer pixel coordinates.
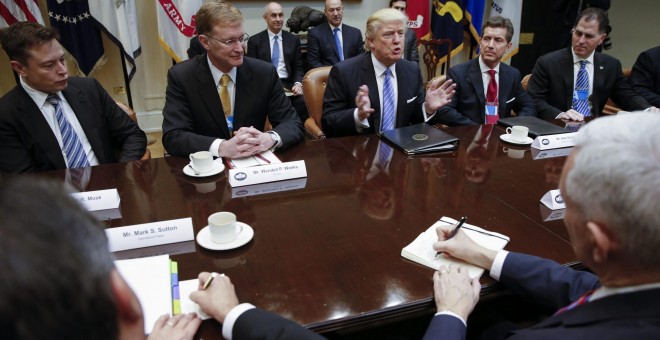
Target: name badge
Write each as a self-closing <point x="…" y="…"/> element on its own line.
<point x="267" y="173"/>
<point x="98" y="200"/>
<point x="491" y="109"/>
<point x="562" y="140"/>
<point x="230" y="123"/>
<point x="581" y="94"/>
<point x="150" y="234"/>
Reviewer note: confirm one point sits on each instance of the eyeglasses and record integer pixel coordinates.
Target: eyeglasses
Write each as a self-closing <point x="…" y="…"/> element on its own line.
<point x="587" y="36"/>
<point x="231" y="42"/>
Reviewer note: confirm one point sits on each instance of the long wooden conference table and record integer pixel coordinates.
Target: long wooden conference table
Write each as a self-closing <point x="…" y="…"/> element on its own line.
<point x="326" y="249"/>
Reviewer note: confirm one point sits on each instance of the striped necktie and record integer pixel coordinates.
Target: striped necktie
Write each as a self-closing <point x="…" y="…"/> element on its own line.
<point x="388" y="102"/>
<point x="340" y="51"/>
<point x="581" y="91"/>
<point x="582" y="300"/>
<point x="71" y="145"/>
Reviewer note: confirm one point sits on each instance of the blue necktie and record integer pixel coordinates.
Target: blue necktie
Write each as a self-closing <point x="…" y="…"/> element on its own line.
<point x="72" y="147"/>
<point x="388" y="102"/>
<point x="340" y="51"/>
<point x="275" y="58"/>
<point x="384" y="154"/>
<point x="581" y="105"/>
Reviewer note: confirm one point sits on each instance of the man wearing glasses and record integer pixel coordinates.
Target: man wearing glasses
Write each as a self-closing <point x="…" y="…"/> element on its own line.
<point x="574" y="83"/>
<point x="220" y="101"/>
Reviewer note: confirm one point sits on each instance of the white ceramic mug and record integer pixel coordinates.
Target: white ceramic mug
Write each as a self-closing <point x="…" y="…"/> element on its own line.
<point x="513" y="153"/>
<point x="517" y="133"/>
<point x="223" y="227"/>
<point x="201" y="162"/>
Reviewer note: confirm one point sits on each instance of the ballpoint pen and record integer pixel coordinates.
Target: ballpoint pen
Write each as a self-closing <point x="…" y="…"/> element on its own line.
<point x="454" y="232"/>
<point x="210" y="279"/>
<point x="262" y="158"/>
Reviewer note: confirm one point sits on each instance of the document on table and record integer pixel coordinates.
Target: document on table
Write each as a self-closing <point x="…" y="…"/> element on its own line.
<point x="421" y="249"/>
<point x="264" y="158"/>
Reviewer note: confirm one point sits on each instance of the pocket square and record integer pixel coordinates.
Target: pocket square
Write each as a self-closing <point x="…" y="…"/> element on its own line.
<point x="411" y="99"/>
<point x="510" y="100"/>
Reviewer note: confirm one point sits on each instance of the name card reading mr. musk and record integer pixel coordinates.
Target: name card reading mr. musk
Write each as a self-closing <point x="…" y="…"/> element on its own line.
<point x="150" y="234"/>
<point x="267" y="173"/>
<point x="98" y="200"/>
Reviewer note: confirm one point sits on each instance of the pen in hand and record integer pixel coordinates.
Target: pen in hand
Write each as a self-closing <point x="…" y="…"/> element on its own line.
<point x="453" y="232"/>
<point x="210" y="279"/>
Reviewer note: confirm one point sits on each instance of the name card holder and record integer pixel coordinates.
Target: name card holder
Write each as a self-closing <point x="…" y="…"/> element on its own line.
<point x="267" y="173"/>
<point x="562" y="140"/>
<point x="543" y="154"/>
<point x="267" y="188"/>
<point x="150" y="234"/>
<point x="553" y="200"/>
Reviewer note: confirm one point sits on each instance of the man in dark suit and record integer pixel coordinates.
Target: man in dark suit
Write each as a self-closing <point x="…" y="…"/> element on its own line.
<point x="323" y="40"/>
<point x="552" y="85"/>
<point x="476" y="86"/>
<point x="289" y="61"/>
<point x="220" y="101"/>
<point x="354" y="97"/>
<point x="410" y="47"/>
<point x="645" y="75"/>
<point x="51" y="121"/>
<point x="620" y="298"/>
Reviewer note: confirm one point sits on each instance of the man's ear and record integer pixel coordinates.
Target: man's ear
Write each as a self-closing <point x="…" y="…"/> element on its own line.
<point x="128" y="306"/>
<point x="603" y="240"/>
<point x="18" y="67"/>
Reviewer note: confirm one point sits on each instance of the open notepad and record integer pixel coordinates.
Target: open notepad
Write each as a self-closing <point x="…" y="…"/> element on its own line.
<point x="421" y="249"/>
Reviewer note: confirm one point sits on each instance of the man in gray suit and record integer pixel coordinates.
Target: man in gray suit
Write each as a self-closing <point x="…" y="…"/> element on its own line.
<point x="410" y="47"/>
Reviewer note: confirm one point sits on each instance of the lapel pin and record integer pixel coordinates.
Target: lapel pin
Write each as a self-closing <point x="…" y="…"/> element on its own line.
<point x="600" y="67"/>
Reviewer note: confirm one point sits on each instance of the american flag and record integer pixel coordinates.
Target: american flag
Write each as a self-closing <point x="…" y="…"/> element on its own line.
<point x="12" y="11"/>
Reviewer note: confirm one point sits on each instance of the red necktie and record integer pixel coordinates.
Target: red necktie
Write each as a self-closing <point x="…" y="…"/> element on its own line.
<point x="491" y="100"/>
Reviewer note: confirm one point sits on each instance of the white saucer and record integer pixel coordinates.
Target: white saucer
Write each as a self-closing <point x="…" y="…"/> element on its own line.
<point x="217" y="168"/>
<point x="204" y="238"/>
<point x="507" y="138"/>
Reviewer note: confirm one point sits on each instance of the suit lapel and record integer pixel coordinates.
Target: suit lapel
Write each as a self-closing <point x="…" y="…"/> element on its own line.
<point x="288" y="52"/>
<point x="265" y="52"/>
<point x="208" y="91"/>
<point x="80" y="104"/>
<point x="403" y="86"/>
<point x="600" y="72"/>
<point x="506" y="82"/>
<point x="567" y="69"/>
<point x="242" y="99"/>
<point x="475" y="79"/>
<point x="35" y="124"/>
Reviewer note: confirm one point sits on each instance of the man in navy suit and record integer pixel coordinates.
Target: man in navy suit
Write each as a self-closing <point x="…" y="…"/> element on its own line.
<point x="323" y="41"/>
<point x="354" y="97"/>
<point x="552" y="85"/>
<point x="469" y="105"/>
<point x="410" y="47"/>
<point x="614" y="230"/>
<point x="34" y="134"/>
<point x="210" y="100"/>
<point x="289" y="58"/>
<point x="645" y="75"/>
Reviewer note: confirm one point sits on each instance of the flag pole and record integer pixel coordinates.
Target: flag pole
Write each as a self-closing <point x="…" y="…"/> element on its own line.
<point x="126" y="80"/>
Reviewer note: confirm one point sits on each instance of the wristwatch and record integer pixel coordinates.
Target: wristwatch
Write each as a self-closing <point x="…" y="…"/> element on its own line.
<point x="276" y="139"/>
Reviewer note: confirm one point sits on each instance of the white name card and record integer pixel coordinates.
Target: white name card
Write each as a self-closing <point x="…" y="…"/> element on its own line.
<point x="98" y="200"/>
<point x="150" y="234"/>
<point x="551" y="215"/>
<point x="267" y="173"/>
<point x="543" y="154"/>
<point x="553" y="200"/>
<point x="267" y="188"/>
<point x="562" y="140"/>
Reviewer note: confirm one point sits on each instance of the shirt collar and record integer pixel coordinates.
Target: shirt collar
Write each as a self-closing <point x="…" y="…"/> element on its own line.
<point x="577" y="59"/>
<point x="608" y="291"/>
<point x="271" y="35"/>
<point x="332" y="28"/>
<point x="216" y="73"/>
<point x="37" y="96"/>
<point x="484" y="68"/>
<point x="379" y="67"/>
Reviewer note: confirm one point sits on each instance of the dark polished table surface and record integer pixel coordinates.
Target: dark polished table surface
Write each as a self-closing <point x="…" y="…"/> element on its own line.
<point x="328" y="254"/>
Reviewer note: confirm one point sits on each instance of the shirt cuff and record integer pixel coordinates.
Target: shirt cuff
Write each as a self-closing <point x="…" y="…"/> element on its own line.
<point x="232" y="316"/>
<point x="426" y="118"/>
<point x="360" y="124"/>
<point x="215" y="147"/>
<point x="498" y="263"/>
<point x="446" y="312"/>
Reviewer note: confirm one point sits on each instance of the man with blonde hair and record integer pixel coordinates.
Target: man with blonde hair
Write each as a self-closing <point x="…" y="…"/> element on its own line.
<point x="379" y="90"/>
<point x="210" y="99"/>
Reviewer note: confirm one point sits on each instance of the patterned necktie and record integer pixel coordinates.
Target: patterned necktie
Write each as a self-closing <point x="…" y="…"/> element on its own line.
<point x="226" y="101"/>
<point x="275" y="58"/>
<point x="582" y="300"/>
<point x="581" y="92"/>
<point x="388" y="102"/>
<point x="384" y="153"/>
<point x="491" y="99"/>
<point x="72" y="147"/>
<point x="340" y="51"/>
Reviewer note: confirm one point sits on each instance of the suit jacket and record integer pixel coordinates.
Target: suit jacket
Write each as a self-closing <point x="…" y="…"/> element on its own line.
<point x="27" y="143"/>
<point x="645" y="76"/>
<point x="260" y="324"/>
<point x="342" y="86"/>
<point x="193" y="116"/>
<point x="410" y="48"/>
<point x="468" y="105"/>
<point x="322" y="49"/>
<point x="631" y="315"/>
<point x="259" y="48"/>
<point x="551" y="85"/>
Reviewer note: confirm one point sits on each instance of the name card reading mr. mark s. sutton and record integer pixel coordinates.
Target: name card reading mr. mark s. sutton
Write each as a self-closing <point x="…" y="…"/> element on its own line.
<point x="267" y="173"/>
<point x="150" y="234"/>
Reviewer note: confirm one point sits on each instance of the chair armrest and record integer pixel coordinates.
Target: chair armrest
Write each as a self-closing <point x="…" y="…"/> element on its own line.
<point x="313" y="130"/>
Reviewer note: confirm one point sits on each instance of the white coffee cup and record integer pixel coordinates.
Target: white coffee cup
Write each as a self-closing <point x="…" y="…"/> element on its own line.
<point x="223" y="227"/>
<point x="201" y="161"/>
<point x="513" y="153"/>
<point x="517" y="133"/>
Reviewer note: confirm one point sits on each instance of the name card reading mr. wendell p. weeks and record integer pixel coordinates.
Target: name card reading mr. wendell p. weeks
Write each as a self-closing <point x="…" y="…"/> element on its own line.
<point x="150" y="234"/>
